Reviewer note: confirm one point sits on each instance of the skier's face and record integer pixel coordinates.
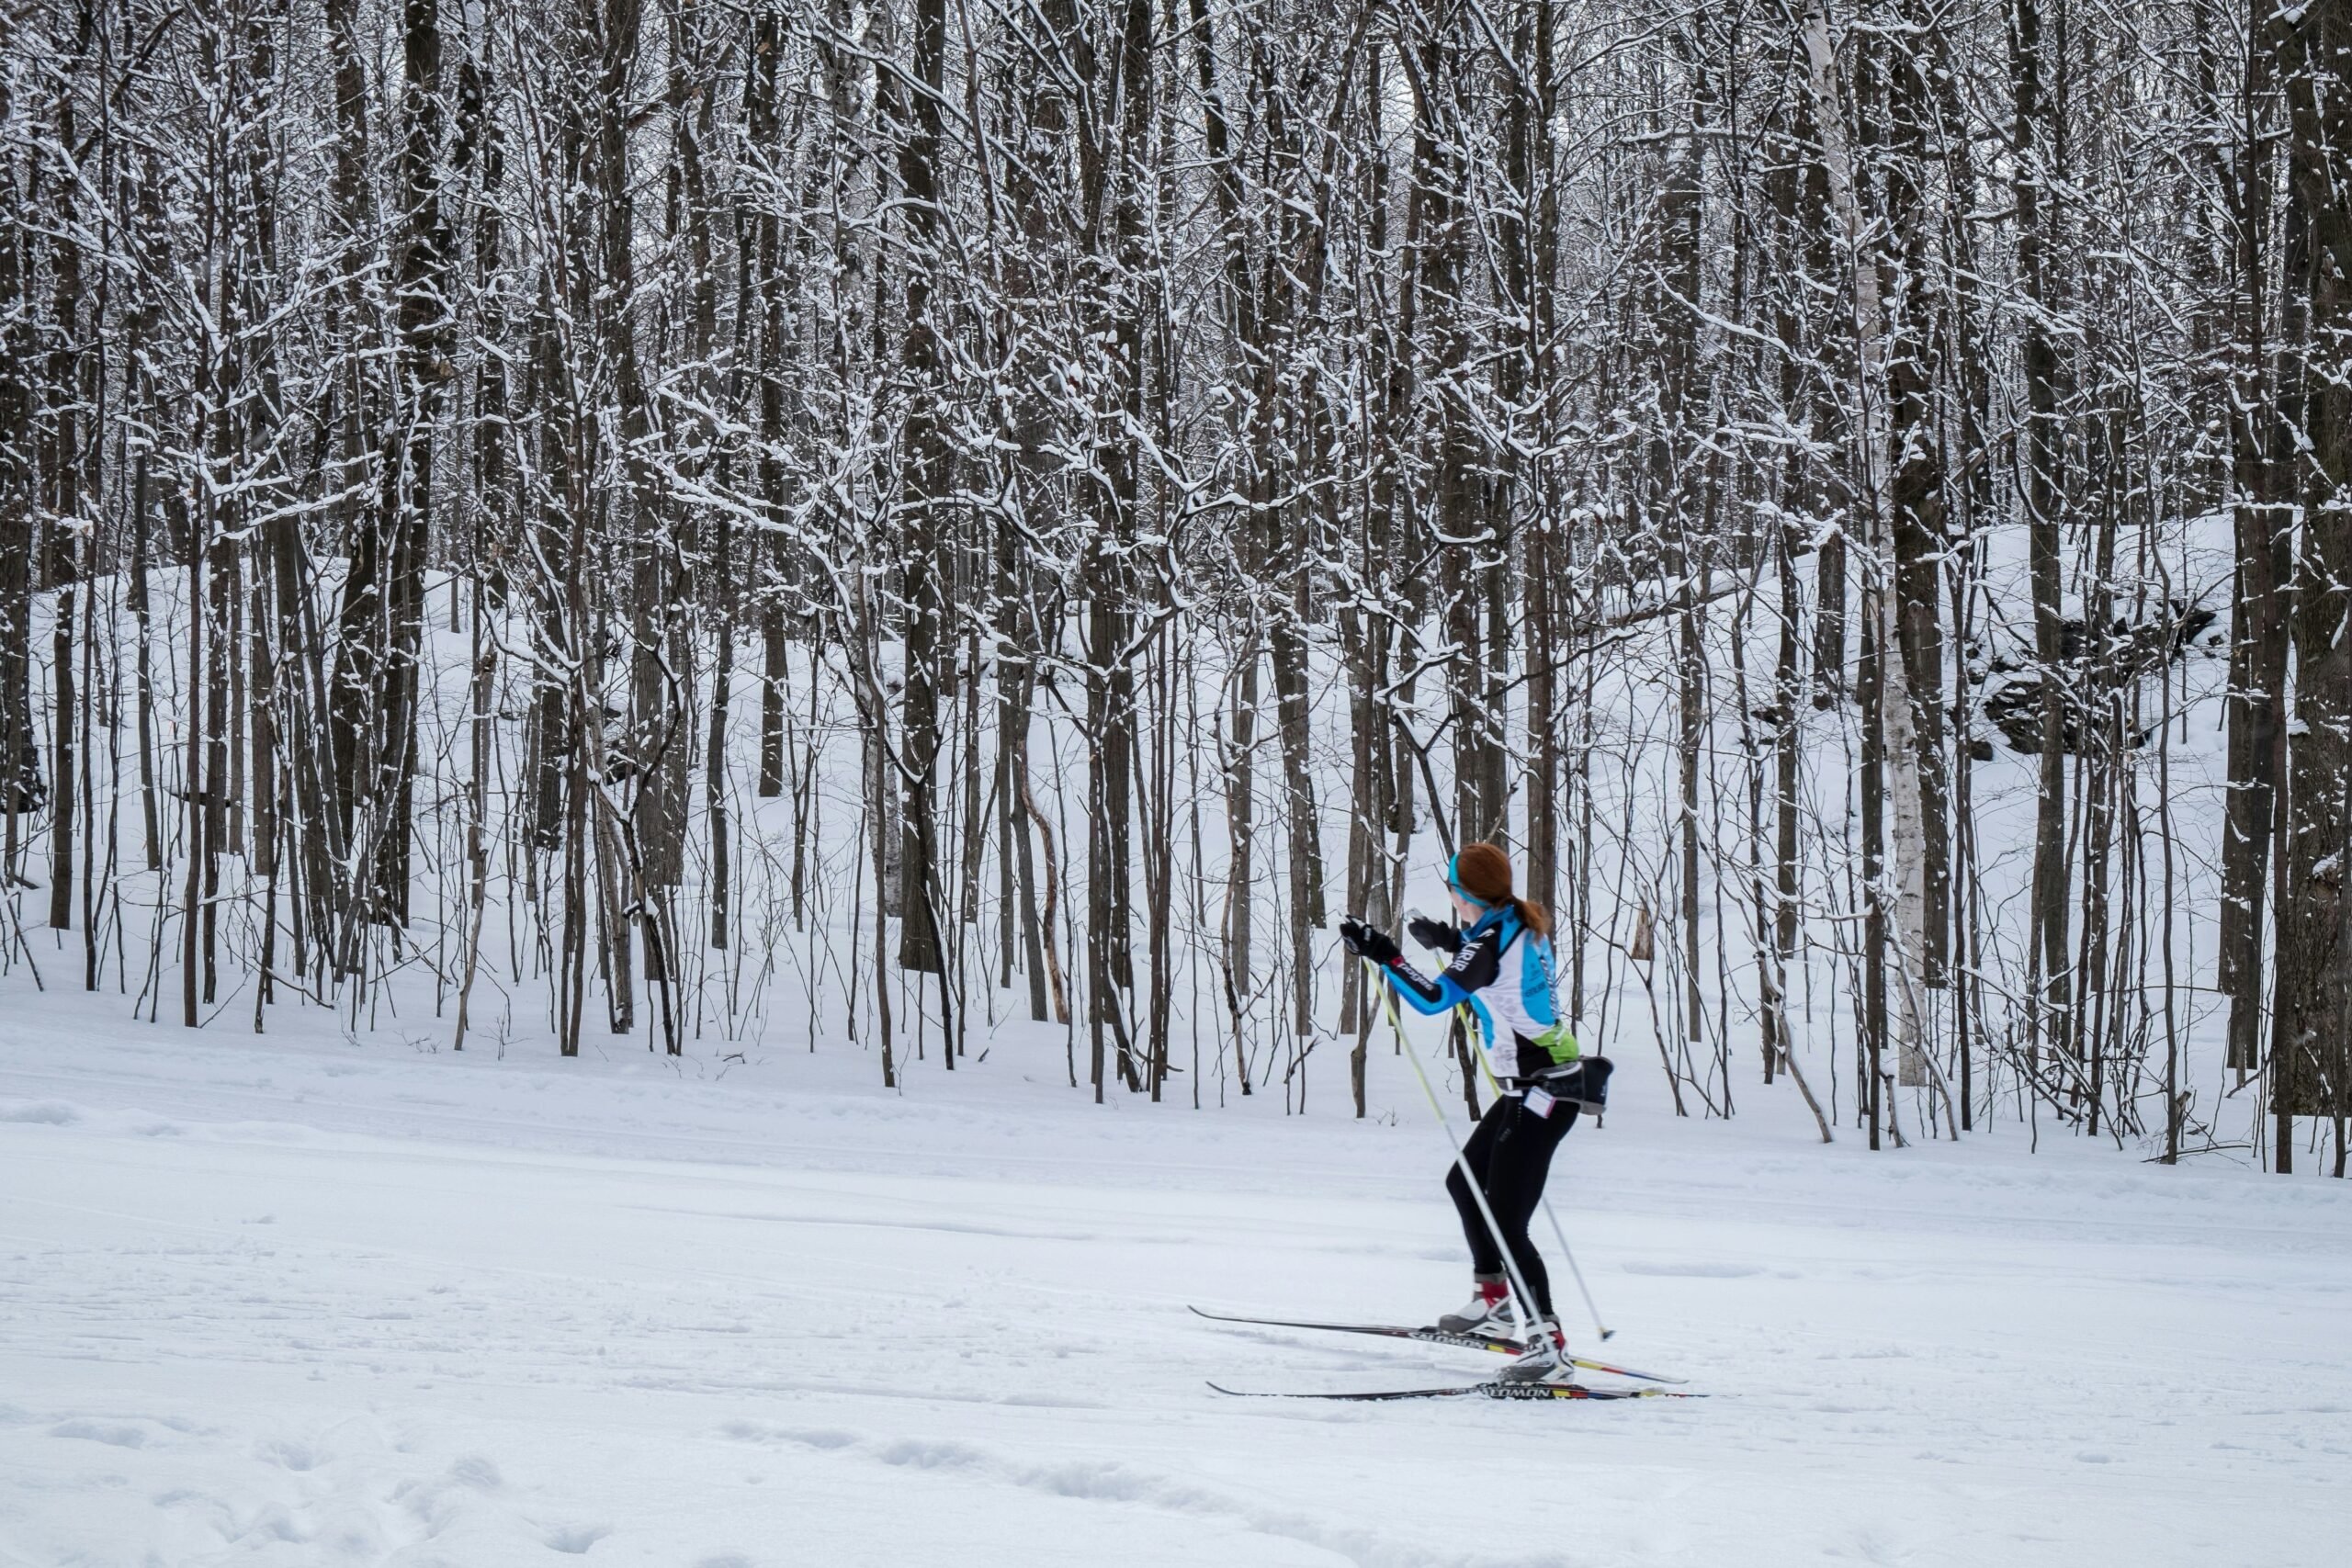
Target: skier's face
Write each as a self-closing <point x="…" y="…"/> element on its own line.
<point x="1463" y="911"/>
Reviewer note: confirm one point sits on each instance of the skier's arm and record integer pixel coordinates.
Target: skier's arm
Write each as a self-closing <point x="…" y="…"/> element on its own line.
<point x="1473" y="967"/>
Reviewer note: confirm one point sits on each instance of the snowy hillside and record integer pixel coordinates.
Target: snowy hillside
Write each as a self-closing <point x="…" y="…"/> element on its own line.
<point x="727" y="732"/>
<point x="307" y="1303"/>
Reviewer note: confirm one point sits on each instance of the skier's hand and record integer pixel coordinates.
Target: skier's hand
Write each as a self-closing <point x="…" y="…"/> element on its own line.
<point x="1352" y="934"/>
<point x="1435" y="935"/>
<point x="1365" y="942"/>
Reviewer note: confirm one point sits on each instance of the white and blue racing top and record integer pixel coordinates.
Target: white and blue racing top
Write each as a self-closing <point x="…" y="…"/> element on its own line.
<point x="1503" y="971"/>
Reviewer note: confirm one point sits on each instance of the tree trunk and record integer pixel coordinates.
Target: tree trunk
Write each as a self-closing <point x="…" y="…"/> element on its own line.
<point x="923" y="488"/>
<point x="2050" y="1007"/>
<point x="1898" y="741"/>
<point x="2312" y="48"/>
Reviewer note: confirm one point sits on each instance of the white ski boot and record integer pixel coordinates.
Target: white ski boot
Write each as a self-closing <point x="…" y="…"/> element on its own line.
<point x="1488" y="1312"/>
<point x="1545" y="1360"/>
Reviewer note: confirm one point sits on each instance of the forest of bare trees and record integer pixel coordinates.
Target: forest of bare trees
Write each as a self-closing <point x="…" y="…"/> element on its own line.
<point x="836" y="522"/>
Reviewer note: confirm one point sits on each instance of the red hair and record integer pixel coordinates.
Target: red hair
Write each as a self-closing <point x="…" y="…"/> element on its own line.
<point x="1482" y="872"/>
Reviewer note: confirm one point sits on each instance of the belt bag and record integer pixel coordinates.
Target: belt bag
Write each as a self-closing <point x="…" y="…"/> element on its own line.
<point x="1588" y="1092"/>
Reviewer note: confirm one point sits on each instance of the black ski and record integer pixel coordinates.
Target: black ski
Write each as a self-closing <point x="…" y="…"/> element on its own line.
<point x="1465" y="1391"/>
<point x="1499" y="1344"/>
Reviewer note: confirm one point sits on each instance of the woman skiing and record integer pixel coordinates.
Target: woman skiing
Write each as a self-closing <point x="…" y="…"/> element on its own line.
<point x="1501" y="969"/>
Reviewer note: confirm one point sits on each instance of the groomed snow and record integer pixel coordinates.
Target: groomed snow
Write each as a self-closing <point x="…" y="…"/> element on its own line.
<point x="300" y="1302"/>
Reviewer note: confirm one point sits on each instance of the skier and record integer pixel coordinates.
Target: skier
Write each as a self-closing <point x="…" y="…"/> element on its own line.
<point x="1501" y="969"/>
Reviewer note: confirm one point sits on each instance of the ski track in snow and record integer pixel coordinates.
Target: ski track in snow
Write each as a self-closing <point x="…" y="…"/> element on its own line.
<point x="297" y="1302"/>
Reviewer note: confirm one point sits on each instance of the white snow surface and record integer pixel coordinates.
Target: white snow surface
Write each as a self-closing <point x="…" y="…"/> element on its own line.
<point x="306" y="1301"/>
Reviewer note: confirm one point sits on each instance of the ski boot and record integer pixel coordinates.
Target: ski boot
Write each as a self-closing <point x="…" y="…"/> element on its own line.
<point x="1488" y="1312"/>
<point x="1545" y="1360"/>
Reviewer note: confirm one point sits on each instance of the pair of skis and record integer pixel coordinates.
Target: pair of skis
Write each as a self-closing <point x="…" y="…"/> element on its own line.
<point x="1488" y="1389"/>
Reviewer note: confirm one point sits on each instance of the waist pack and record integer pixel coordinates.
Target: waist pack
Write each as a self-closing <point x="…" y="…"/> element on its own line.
<point x="1583" y="1083"/>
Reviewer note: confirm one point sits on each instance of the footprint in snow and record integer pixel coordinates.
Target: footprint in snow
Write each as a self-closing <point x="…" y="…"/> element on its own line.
<point x="43" y="1113"/>
<point x="576" y="1539"/>
<point x="289" y="1452"/>
<point x="476" y="1471"/>
<point x="922" y="1455"/>
<point x="111" y="1433"/>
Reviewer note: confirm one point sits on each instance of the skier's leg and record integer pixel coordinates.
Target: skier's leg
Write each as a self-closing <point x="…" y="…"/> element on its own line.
<point x="1490" y="1309"/>
<point x="1515" y="1173"/>
<point x="1485" y="1261"/>
<point x="1522" y="1159"/>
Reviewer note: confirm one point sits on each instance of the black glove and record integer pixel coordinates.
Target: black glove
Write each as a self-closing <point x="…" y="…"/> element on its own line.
<point x="1365" y="942"/>
<point x="1435" y="935"/>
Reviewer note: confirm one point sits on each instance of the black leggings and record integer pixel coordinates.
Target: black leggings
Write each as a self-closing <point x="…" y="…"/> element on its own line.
<point x="1510" y="1154"/>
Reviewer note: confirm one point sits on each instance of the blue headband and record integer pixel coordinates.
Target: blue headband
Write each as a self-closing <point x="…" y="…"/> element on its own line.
<point x="1454" y="881"/>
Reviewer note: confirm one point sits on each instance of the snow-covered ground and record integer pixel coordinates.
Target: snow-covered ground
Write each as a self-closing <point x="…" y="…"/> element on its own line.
<point x="310" y="1303"/>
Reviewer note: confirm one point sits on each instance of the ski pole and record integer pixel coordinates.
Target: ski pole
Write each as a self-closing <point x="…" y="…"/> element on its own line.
<point x="1582" y="1288"/>
<point x="1566" y="1251"/>
<point x="1523" y="1304"/>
